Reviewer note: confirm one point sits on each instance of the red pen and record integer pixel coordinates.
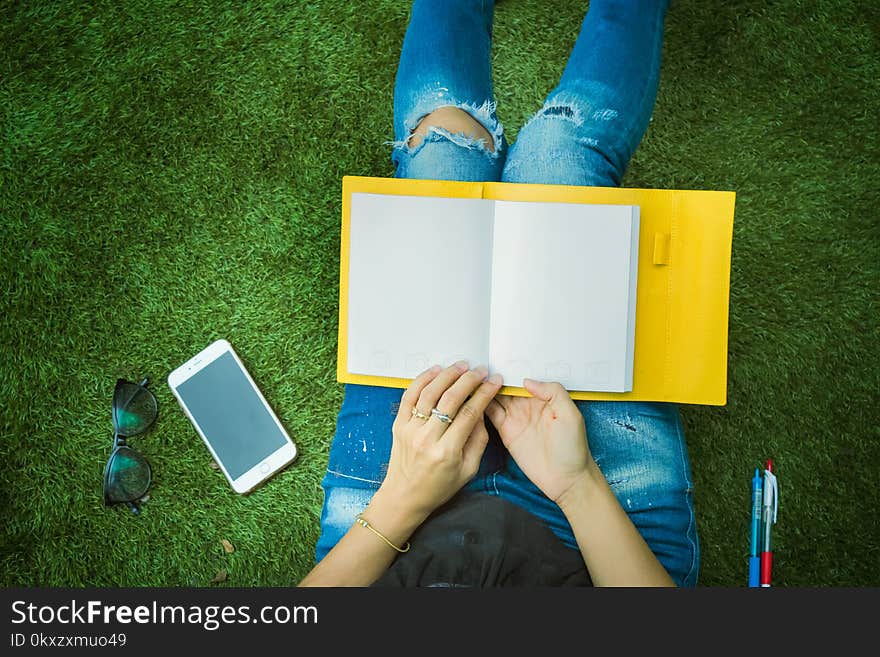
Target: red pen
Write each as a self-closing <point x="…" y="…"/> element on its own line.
<point x="771" y="507"/>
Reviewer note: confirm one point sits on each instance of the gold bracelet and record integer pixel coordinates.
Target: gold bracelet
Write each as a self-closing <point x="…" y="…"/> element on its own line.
<point x="363" y="523"/>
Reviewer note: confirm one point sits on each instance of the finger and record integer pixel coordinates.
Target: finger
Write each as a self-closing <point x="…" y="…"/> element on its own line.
<point x="411" y="394"/>
<point x="504" y="401"/>
<point x="431" y="393"/>
<point x="454" y="396"/>
<point x="474" y="447"/>
<point x="552" y="393"/>
<point x="496" y="412"/>
<point x="472" y="411"/>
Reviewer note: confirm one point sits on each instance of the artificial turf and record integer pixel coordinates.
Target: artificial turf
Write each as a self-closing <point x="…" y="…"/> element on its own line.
<point x="171" y="174"/>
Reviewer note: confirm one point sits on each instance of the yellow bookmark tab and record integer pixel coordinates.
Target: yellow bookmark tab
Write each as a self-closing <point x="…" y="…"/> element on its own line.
<point x="661" y="248"/>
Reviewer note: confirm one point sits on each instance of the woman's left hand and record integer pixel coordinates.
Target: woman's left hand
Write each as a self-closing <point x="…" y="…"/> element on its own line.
<point x="430" y="459"/>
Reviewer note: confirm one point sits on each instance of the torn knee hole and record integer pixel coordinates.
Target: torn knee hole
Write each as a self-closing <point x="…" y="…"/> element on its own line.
<point x="452" y="121"/>
<point x="559" y="110"/>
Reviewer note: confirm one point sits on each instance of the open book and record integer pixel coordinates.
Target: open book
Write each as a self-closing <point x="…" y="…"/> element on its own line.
<point x="544" y="290"/>
<point x="683" y="287"/>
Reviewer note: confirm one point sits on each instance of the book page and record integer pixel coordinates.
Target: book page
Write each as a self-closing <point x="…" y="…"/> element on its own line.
<point x="563" y="296"/>
<point x="419" y="278"/>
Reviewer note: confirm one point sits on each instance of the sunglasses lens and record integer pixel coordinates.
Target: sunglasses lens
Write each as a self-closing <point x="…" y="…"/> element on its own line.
<point x="128" y="476"/>
<point x="134" y="408"/>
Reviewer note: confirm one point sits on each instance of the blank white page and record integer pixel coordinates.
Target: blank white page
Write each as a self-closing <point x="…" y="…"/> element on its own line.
<point x="418" y="283"/>
<point x="564" y="294"/>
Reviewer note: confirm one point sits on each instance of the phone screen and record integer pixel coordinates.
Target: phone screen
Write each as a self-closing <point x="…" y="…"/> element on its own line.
<point x="231" y="414"/>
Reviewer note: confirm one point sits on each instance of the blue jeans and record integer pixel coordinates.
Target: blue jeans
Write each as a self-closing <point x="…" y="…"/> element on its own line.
<point x="585" y="134"/>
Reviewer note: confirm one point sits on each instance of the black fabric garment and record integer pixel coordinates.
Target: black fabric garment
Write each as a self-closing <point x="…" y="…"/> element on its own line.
<point x="480" y="540"/>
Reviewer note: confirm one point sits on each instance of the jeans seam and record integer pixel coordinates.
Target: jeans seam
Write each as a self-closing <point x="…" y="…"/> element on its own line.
<point x="658" y="36"/>
<point x="690" y="487"/>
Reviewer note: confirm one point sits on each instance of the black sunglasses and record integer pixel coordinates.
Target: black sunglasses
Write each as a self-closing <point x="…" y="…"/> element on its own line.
<point x="127" y="474"/>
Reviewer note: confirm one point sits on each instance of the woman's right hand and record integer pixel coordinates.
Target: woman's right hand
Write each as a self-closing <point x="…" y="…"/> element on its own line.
<point x="546" y="436"/>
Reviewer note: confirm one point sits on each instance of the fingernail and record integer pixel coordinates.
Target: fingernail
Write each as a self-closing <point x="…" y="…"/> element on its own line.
<point x="435" y="368"/>
<point x="482" y="370"/>
<point x="462" y="366"/>
<point x="496" y="379"/>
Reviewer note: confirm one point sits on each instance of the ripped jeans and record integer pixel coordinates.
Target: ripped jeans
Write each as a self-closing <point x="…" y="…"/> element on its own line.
<point x="585" y="134"/>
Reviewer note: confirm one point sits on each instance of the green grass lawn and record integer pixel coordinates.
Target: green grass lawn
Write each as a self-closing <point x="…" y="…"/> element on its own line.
<point x="171" y="174"/>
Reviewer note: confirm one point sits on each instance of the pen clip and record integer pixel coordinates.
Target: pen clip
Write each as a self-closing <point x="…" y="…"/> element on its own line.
<point x="773" y="486"/>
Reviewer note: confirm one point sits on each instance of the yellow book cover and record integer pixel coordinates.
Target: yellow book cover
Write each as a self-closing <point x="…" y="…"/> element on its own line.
<point x="681" y="250"/>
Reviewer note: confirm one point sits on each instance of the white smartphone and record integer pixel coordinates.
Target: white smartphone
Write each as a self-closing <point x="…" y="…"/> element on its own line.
<point x="231" y="415"/>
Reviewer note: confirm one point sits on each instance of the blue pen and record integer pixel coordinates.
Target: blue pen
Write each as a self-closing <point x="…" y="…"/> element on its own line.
<point x="754" y="556"/>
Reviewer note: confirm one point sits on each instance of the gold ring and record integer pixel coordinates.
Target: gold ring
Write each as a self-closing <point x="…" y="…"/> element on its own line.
<point x="417" y="413"/>
<point x="445" y="419"/>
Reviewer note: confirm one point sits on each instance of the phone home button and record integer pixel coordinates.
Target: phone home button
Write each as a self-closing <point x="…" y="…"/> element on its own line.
<point x="264" y="468"/>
